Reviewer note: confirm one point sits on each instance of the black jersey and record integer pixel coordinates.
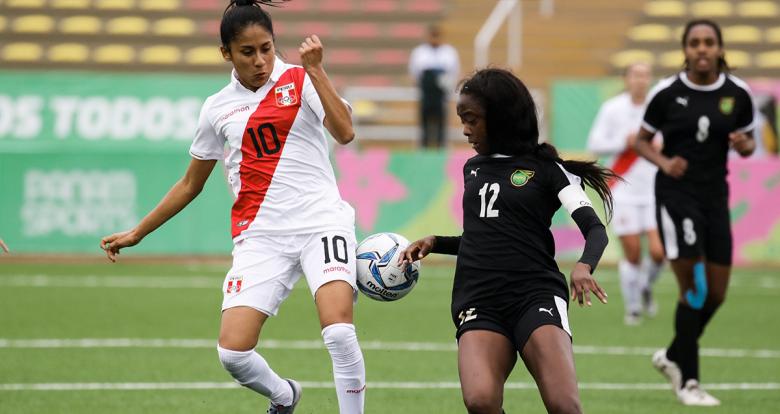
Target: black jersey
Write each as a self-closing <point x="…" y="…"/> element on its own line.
<point x="508" y="205"/>
<point x="696" y="121"/>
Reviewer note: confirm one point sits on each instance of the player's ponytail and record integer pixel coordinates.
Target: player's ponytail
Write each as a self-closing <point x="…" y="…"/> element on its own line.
<point x="512" y="127"/>
<point x="242" y="13"/>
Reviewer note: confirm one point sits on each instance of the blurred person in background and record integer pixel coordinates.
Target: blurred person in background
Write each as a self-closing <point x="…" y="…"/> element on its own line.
<point x="288" y="217"/>
<point x="509" y="296"/>
<point x="613" y="135"/>
<point x="701" y="112"/>
<point x="434" y="66"/>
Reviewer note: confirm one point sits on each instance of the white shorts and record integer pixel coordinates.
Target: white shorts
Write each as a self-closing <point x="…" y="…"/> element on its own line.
<point x="630" y="219"/>
<point x="265" y="268"/>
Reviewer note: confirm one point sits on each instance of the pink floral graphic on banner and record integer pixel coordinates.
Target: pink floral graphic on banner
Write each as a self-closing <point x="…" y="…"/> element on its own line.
<point x="454" y="171"/>
<point x="755" y="187"/>
<point x="365" y="183"/>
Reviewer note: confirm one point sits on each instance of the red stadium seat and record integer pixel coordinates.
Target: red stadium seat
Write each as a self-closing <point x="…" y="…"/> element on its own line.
<point x="361" y="30"/>
<point x="425" y="6"/>
<point x="381" y="6"/>
<point x="391" y="57"/>
<point x="343" y="57"/>
<point x="408" y="31"/>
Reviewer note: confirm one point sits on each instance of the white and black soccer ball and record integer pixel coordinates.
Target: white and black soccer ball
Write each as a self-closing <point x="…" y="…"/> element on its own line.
<point x="378" y="274"/>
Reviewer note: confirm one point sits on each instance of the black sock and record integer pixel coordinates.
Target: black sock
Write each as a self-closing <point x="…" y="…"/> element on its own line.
<point x="706" y="314"/>
<point x="684" y="349"/>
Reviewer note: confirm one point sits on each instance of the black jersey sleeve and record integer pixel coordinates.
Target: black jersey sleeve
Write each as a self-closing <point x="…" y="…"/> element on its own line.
<point x="657" y="106"/>
<point x="595" y="236"/>
<point x="744" y="106"/>
<point x="446" y="245"/>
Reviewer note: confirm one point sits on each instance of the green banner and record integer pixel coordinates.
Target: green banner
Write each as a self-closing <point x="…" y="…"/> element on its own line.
<point x="100" y="110"/>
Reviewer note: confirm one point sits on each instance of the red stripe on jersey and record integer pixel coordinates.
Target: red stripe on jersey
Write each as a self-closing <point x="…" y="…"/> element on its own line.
<point x="262" y="144"/>
<point x="623" y="163"/>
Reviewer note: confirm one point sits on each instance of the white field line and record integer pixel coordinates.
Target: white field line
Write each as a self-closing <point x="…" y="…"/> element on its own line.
<point x="365" y="345"/>
<point x="93" y="386"/>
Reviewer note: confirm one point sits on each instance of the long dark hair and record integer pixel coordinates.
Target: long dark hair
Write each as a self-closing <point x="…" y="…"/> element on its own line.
<point x="723" y="66"/>
<point x="513" y="128"/>
<point x="242" y="13"/>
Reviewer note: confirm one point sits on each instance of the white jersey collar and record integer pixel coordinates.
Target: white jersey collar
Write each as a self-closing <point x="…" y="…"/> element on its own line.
<point x="704" y="88"/>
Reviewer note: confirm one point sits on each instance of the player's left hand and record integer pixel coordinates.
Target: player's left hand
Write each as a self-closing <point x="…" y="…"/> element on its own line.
<point x="742" y="143"/>
<point x="311" y="52"/>
<point x="582" y="284"/>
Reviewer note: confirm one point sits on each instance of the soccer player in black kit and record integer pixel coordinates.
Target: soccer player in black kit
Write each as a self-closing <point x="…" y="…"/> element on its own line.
<point x="508" y="295"/>
<point x="702" y="112"/>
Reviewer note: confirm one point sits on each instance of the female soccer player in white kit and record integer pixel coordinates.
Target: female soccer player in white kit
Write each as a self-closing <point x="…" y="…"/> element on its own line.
<point x="288" y="217"/>
<point x="613" y="134"/>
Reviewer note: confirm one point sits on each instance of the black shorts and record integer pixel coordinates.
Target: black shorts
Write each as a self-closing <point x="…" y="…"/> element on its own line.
<point x="694" y="227"/>
<point x="517" y="319"/>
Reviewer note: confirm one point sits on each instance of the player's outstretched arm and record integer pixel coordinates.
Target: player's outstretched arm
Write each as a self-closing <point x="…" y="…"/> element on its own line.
<point x="674" y="167"/>
<point x="582" y="282"/>
<point x="4" y="246"/>
<point x="338" y="120"/>
<point x="182" y="193"/>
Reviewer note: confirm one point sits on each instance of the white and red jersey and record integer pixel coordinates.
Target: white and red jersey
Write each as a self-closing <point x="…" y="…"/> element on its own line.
<point x="277" y="155"/>
<point x="617" y="119"/>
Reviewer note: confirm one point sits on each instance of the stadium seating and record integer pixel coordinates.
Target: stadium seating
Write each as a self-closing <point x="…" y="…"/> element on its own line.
<point x="176" y="26"/>
<point x="22" y="52"/>
<point x="34" y="23"/>
<point x="127" y="25"/>
<point x="80" y="25"/>
<point x="70" y="4"/>
<point x="160" y="55"/>
<point x="114" y="54"/>
<point x="750" y="32"/>
<point x="68" y="53"/>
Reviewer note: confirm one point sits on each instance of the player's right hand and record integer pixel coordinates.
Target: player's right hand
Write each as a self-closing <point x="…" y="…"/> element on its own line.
<point x="416" y="250"/>
<point x="111" y="244"/>
<point x="675" y="167"/>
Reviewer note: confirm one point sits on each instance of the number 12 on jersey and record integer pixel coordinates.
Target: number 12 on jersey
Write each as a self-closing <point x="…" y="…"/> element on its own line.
<point x="486" y="209"/>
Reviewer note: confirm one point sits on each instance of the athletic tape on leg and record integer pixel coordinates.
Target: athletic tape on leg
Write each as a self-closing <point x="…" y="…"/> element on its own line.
<point x="697" y="296"/>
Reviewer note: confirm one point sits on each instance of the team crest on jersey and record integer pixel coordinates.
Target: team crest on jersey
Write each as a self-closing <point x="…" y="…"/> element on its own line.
<point x="726" y="105"/>
<point x="234" y="284"/>
<point x="286" y="95"/>
<point x="520" y="178"/>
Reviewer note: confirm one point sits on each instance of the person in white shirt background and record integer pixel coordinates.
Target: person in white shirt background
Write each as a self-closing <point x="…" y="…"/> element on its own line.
<point x="288" y="217"/>
<point x="435" y="67"/>
<point x="613" y="135"/>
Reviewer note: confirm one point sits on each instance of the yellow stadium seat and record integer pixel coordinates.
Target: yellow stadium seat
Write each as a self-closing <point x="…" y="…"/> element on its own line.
<point x="115" y="4"/>
<point x="80" y="25"/>
<point x="741" y="34"/>
<point x="758" y="9"/>
<point x="650" y="33"/>
<point x="161" y="55"/>
<point x="631" y="56"/>
<point x="738" y="58"/>
<point x="22" y="52"/>
<point x="674" y="59"/>
<point x="773" y="35"/>
<point x="174" y="27"/>
<point x="665" y="8"/>
<point x="34" y="23"/>
<point x="70" y="4"/>
<point x="128" y="25"/>
<point x="114" y="54"/>
<point x="68" y="52"/>
<point x="25" y="3"/>
<point x="204" y="55"/>
<point x="769" y="60"/>
<point x="160" y="4"/>
<point x="3" y="23"/>
<point x="714" y="8"/>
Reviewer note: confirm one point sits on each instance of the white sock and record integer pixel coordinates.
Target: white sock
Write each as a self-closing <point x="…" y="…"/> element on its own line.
<point x="629" y="284"/>
<point x="650" y="272"/>
<point x="249" y="369"/>
<point x="349" y="370"/>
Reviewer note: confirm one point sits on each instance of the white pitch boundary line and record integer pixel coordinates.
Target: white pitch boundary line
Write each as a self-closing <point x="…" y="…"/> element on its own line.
<point x="131" y="386"/>
<point x="365" y="345"/>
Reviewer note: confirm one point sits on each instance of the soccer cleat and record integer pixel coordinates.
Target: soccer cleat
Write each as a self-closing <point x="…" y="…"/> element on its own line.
<point x="692" y="394"/>
<point x="280" y="409"/>
<point x="668" y="369"/>
<point x="632" y="319"/>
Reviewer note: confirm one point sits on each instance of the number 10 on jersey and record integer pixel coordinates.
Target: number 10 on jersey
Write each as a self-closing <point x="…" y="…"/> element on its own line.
<point x="486" y="209"/>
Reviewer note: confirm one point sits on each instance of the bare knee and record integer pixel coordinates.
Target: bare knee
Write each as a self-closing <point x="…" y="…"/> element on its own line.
<point x="482" y="402"/>
<point x="564" y="404"/>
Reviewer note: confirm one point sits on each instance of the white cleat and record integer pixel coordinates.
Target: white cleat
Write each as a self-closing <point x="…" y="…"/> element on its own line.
<point x="632" y="319"/>
<point x="692" y="394"/>
<point x="668" y="369"/>
<point x="297" y="391"/>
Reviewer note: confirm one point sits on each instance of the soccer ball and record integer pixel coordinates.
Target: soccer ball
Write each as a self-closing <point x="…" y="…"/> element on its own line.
<point x="378" y="274"/>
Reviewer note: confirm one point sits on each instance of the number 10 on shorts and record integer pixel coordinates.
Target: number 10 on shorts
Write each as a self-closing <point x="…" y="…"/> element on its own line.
<point x="337" y="246"/>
